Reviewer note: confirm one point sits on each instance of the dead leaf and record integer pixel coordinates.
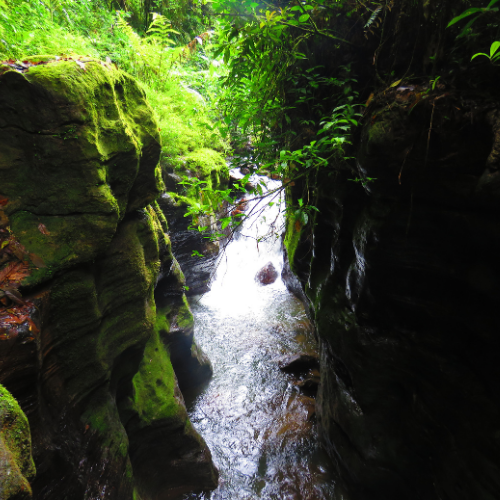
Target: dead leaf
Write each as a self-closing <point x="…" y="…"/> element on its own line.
<point x="5" y="272"/>
<point x="15" y="295"/>
<point x="17" y="249"/>
<point x="37" y="260"/>
<point x="43" y="229"/>
<point x="82" y="65"/>
<point x="14" y="272"/>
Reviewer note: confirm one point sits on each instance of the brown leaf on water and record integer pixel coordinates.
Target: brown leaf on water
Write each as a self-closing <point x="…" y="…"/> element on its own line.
<point x="43" y="229"/>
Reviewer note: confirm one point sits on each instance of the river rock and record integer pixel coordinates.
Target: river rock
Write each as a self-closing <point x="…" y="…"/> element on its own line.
<point x="86" y="350"/>
<point x="309" y="385"/>
<point x="267" y="274"/>
<point x="299" y="363"/>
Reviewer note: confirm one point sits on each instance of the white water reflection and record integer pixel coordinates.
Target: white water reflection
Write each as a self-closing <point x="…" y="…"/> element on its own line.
<point x="234" y="290"/>
<point x="259" y="427"/>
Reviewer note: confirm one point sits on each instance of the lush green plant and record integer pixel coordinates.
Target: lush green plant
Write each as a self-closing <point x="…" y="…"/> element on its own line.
<point x="268" y="78"/>
<point x="94" y="28"/>
<point x="476" y="12"/>
<point x="494" y="54"/>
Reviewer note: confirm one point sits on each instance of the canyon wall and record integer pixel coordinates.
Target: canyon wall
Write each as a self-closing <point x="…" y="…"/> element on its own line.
<point x="96" y="333"/>
<point x="400" y="264"/>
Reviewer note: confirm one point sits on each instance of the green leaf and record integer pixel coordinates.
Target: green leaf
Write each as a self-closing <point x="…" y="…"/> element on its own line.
<point x="467" y="26"/>
<point x="494" y="47"/>
<point x="303" y="18"/>
<point x="465" y="14"/>
<point x="479" y="54"/>
<point x="493" y="2"/>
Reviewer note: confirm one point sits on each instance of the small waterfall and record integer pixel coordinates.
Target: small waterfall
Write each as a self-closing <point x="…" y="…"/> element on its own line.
<point x="258" y="424"/>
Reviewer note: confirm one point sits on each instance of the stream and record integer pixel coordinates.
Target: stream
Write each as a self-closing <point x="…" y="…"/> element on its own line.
<point x="259" y="426"/>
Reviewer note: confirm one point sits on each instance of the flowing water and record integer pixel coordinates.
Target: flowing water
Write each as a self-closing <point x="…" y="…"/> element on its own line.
<point x="257" y="423"/>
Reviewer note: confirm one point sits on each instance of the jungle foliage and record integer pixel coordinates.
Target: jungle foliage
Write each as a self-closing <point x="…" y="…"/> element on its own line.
<point x="292" y="78"/>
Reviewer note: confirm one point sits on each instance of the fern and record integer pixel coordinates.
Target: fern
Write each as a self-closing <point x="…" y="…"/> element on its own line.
<point x="160" y="29"/>
<point x="373" y="17"/>
<point x="133" y="37"/>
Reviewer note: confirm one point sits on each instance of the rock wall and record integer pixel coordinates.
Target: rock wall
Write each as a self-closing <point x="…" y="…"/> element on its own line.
<point x="94" y="324"/>
<point x="400" y="264"/>
<point x="404" y="283"/>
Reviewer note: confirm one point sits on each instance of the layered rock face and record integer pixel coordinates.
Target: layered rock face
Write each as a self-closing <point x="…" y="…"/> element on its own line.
<point x="196" y="253"/>
<point x="94" y="322"/>
<point x="404" y="280"/>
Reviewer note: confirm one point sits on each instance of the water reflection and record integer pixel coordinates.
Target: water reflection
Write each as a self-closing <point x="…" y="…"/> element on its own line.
<point x="258" y="425"/>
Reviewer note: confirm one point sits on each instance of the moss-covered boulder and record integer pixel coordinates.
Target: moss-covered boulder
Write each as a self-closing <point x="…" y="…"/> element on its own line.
<point x="83" y="346"/>
<point x="16" y="464"/>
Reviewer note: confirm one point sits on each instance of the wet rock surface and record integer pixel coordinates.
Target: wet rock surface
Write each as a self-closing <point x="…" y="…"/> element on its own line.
<point x="405" y="283"/>
<point x="198" y="267"/>
<point x="299" y="363"/>
<point x="267" y="275"/>
<point x="85" y="350"/>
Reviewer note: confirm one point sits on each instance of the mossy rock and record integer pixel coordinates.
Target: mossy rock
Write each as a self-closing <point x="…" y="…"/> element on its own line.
<point x="16" y="464"/>
<point x="78" y="183"/>
<point x="80" y="148"/>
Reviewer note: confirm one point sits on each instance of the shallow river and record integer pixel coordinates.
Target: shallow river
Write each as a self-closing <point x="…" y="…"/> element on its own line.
<point x="257" y="423"/>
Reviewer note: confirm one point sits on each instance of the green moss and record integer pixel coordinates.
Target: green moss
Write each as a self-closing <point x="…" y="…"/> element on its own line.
<point x="111" y="100"/>
<point x="75" y="165"/>
<point x="163" y="223"/>
<point x="292" y="239"/>
<point x="183" y="121"/>
<point x="16" y="463"/>
<point x="185" y="317"/>
<point x="162" y="322"/>
<point x="64" y="242"/>
<point x="206" y="163"/>
<point x="155" y="382"/>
